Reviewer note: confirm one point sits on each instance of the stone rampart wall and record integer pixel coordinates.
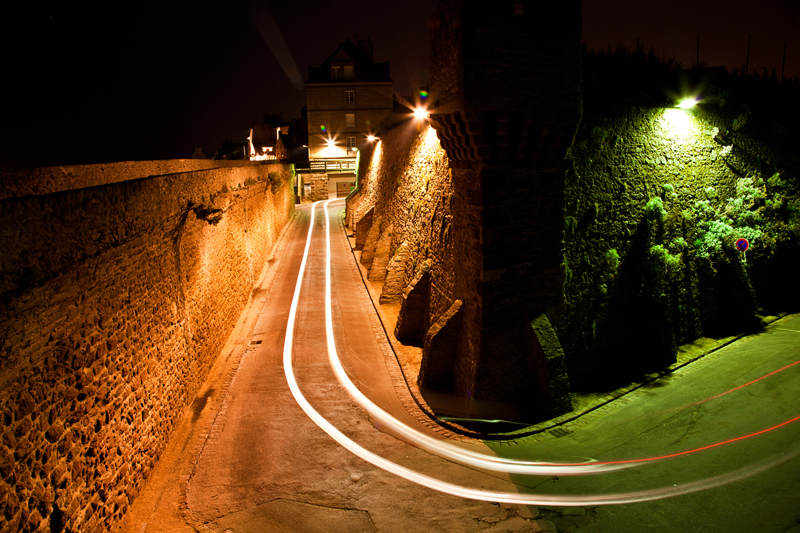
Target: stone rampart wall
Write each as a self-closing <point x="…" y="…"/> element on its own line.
<point x="422" y="225"/>
<point x="46" y="180"/>
<point x="406" y="181"/>
<point x="647" y="192"/>
<point x="425" y="221"/>
<point x="655" y="203"/>
<point x="116" y="300"/>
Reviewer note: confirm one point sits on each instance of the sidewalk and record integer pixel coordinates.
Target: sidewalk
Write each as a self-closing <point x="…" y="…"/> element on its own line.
<point x="160" y="506"/>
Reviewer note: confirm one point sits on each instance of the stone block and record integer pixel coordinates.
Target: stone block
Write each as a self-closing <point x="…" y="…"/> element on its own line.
<point x="395" y="280"/>
<point x="383" y="254"/>
<point x="371" y="242"/>
<point x="362" y="228"/>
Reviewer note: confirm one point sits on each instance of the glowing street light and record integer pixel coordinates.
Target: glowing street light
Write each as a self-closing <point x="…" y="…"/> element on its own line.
<point x="371" y="138"/>
<point x="686" y="103"/>
<point x="420" y="113"/>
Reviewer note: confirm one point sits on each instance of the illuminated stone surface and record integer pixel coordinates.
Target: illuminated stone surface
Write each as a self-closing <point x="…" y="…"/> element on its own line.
<point x="117" y="298"/>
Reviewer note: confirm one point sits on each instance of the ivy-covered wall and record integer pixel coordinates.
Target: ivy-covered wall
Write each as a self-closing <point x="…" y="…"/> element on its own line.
<point x="654" y="204"/>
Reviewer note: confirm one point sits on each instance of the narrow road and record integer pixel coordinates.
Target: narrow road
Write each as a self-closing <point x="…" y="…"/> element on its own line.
<point x="263" y="465"/>
<point x="268" y="467"/>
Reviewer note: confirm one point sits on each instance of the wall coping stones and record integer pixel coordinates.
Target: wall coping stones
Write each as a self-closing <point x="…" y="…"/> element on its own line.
<point x="47" y="180"/>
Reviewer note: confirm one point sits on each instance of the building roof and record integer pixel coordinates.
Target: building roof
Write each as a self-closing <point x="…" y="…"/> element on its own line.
<point x="349" y="53"/>
<point x="264" y="135"/>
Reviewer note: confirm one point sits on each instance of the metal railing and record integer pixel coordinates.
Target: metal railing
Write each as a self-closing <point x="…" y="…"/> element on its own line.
<point x="327" y="166"/>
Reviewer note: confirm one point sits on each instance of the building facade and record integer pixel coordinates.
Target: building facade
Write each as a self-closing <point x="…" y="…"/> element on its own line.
<point x="348" y="96"/>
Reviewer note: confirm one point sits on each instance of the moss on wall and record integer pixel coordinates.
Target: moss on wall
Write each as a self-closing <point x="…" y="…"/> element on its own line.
<point x="655" y="202"/>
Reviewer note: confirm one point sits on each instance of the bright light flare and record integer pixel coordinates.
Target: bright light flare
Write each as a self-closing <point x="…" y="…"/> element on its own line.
<point x="686" y="103"/>
<point x="680" y="125"/>
<point x="330" y="142"/>
<point x="420" y="113"/>
<point x="371" y="138"/>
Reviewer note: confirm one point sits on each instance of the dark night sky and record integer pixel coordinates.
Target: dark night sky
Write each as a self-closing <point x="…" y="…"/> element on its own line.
<point x="155" y="79"/>
<point x="671" y="29"/>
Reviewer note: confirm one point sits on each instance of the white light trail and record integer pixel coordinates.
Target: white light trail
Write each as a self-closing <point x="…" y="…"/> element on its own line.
<point x="466" y="492"/>
<point x="441" y="448"/>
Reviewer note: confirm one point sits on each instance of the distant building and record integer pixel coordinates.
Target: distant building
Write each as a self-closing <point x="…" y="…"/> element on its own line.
<point x="263" y="142"/>
<point x="294" y="135"/>
<point x="278" y="139"/>
<point x="347" y="97"/>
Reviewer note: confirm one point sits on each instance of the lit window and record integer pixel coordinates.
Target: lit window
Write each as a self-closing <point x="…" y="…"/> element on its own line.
<point x="336" y="73"/>
<point x="348" y="72"/>
<point x="349" y="97"/>
<point x="351" y="144"/>
<point x="350" y="120"/>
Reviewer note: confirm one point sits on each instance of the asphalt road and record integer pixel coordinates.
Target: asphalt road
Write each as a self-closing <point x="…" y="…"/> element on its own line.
<point x="268" y="467"/>
<point x="262" y="465"/>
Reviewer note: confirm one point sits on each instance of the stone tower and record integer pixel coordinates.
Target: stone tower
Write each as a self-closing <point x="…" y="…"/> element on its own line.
<point x="505" y="103"/>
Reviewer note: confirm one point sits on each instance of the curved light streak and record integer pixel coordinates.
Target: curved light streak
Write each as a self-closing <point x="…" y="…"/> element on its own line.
<point x="441" y="448"/>
<point x="790" y="365"/>
<point x="483" y="495"/>
<point x="489" y="462"/>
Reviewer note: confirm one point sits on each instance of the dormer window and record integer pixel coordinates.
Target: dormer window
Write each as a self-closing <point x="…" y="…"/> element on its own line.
<point x="336" y="72"/>
<point x="348" y="72"/>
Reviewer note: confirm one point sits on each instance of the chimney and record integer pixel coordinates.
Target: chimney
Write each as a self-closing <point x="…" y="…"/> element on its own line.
<point x="366" y="47"/>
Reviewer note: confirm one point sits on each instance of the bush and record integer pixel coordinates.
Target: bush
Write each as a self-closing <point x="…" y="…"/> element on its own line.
<point x="671" y="263"/>
<point x="276" y="179"/>
<point x="654" y="209"/>
<point x="612" y="258"/>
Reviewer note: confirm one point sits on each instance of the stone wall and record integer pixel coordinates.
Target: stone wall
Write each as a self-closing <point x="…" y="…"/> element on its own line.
<point x="637" y="281"/>
<point x="420" y="226"/>
<point x="505" y="242"/>
<point x="505" y="85"/>
<point x="45" y="180"/>
<point x="116" y="299"/>
<point x="405" y="201"/>
<point x="479" y="203"/>
<point x="319" y="187"/>
<point x="655" y="203"/>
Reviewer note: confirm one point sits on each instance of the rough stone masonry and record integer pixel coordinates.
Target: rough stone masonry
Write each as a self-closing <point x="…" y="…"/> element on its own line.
<point x="478" y="206"/>
<point x="120" y="284"/>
